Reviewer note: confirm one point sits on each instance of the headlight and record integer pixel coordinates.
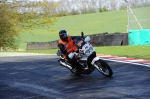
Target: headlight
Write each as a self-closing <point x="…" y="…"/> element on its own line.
<point x="87" y="52"/>
<point x="91" y="48"/>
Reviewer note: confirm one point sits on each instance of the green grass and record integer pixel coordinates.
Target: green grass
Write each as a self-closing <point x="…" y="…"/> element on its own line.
<point x="126" y="51"/>
<point x="37" y="35"/>
<point x="143" y="16"/>
<point x="113" y="21"/>
<point x="139" y="52"/>
<point x="88" y="23"/>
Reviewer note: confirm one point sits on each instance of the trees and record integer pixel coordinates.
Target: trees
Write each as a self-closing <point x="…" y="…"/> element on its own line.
<point x="92" y="6"/>
<point x="22" y="15"/>
<point x="8" y="32"/>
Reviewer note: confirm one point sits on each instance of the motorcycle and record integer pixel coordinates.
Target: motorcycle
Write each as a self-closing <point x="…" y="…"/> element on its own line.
<point x="86" y="57"/>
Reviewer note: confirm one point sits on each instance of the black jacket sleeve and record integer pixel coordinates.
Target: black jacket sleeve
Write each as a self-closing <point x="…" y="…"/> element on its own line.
<point x="62" y="48"/>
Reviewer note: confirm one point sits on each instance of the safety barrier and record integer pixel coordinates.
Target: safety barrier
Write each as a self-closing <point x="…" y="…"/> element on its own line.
<point x="41" y="45"/>
<point x="139" y="37"/>
<point x="101" y="39"/>
<point x="116" y="39"/>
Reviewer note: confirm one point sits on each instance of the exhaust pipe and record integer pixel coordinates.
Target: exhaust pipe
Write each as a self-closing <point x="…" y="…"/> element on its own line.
<point x="65" y="65"/>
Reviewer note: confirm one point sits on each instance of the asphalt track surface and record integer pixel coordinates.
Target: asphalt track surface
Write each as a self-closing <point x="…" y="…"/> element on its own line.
<point x="41" y="77"/>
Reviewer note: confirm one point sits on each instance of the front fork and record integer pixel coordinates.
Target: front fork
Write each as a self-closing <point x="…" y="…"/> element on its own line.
<point x="93" y="62"/>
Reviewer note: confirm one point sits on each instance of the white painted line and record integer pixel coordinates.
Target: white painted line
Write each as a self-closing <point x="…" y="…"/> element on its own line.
<point x="147" y="63"/>
<point x="105" y="56"/>
<point x="126" y="62"/>
<point x="12" y="54"/>
<point x="119" y="58"/>
<point x="136" y="60"/>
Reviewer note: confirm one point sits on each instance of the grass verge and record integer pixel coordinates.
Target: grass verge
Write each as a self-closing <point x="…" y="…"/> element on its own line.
<point x="139" y="52"/>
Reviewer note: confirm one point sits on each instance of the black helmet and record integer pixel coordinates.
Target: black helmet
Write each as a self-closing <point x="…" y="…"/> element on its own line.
<point x="63" y="35"/>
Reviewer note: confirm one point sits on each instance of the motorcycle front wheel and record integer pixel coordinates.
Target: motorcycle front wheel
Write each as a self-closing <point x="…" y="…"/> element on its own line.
<point x="104" y="68"/>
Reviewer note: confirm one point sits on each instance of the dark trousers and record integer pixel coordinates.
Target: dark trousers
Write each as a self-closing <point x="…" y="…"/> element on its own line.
<point x="74" y="63"/>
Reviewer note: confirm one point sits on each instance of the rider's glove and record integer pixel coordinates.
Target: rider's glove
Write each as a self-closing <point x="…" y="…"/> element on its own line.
<point x="77" y="56"/>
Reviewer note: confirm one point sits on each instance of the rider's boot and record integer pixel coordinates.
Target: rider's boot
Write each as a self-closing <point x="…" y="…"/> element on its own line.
<point x="76" y="68"/>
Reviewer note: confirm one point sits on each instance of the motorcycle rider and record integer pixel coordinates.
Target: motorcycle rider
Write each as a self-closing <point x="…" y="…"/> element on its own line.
<point x="66" y="46"/>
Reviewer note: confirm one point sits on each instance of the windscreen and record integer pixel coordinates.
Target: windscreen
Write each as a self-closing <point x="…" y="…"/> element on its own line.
<point x="79" y="41"/>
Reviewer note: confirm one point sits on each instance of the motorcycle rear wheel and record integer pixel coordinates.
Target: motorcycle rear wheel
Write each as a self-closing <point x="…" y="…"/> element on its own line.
<point x="104" y="68"/>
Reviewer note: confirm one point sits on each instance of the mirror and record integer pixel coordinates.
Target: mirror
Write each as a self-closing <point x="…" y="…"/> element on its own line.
<point x="82" y="34"/>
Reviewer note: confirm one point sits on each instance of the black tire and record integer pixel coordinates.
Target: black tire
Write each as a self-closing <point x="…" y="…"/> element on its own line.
<point x="76" y="73"/>
<point x="104" y="68"/>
